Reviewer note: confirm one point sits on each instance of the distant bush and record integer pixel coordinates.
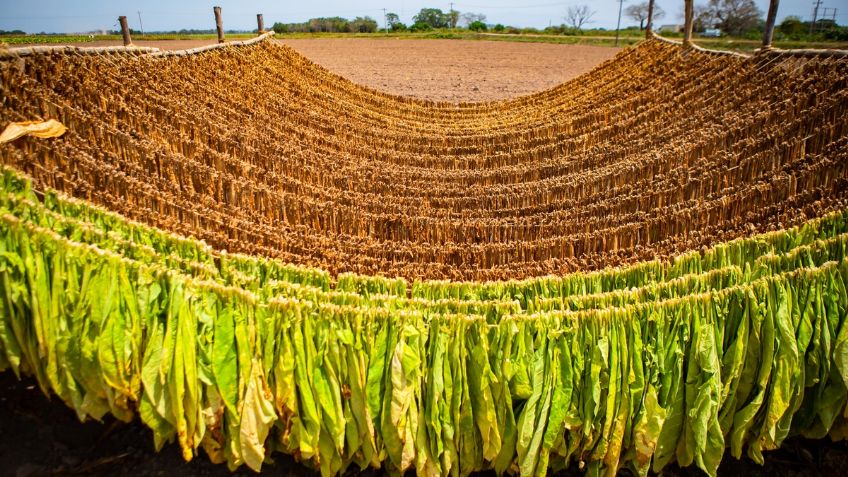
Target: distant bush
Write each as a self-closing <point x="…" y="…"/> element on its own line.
<point x="839" y="33"/>
<point x="398" y="26"/>
<point x="561" y="30"/>
<point x="315" y="25"/>
<point x="420" y="26"/>
<point x="331" y="24"/>
<point x="363" y="25"/>
<point x="499" y="28"/>
<point x="477" y="26"/>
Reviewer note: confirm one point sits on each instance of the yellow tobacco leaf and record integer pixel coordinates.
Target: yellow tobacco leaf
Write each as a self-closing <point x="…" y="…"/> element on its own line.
<point x="41" y="129"/>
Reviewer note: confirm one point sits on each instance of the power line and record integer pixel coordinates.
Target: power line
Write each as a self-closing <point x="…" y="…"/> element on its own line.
<point x="832" y="15"/>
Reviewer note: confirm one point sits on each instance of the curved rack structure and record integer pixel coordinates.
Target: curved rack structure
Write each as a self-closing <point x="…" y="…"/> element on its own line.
<point x="643" y="265"/>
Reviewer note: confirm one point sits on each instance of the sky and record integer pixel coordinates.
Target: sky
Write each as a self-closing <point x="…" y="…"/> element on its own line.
<point x="68" y="16"/>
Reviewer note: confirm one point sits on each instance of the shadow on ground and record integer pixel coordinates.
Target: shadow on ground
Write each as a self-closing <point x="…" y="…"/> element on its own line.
<point x="41" y="437"/>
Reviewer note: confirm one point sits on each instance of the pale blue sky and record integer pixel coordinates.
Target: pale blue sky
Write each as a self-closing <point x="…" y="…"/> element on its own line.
<point x="80" y="16"/>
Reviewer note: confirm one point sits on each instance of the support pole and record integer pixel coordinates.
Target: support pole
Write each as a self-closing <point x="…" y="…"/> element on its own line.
<point x="125" y="30"/>
<point x="618" y="25"/>
<point x="689" y="12"/>
<point x="219" y="24"/>
<point x="649" y="30"/>
<point x="260" y="23"/>
<point x="770" y="19"/>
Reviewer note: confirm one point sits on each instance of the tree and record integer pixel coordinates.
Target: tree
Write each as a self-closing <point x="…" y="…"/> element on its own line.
<point x="477" y="26"/>
<point x="392" y="19"/>
<point x="735" y="17"/>
<point x="702" y="18"/>
<point x="639" y="13"/>
<point x="433" y="17"/>
<point x="329" y="24"/>
<point x="453" y="18"/>
<point x="578" y="15"/>
<point x="363" y="25"/>
<point x="468" y="18"/>
<point x="792" y="26"/>
<point x="420" y="26"/>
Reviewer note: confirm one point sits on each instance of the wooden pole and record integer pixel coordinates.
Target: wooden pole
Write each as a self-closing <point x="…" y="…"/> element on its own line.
<point x="219" y="24"/>
<point x="770" y="19"/>
<point x="260" y="23"/>
<point x="125" y="30"/>
<point x="689" y="12"/>
<point x="649" y="29"/>
<point x="618" y="25"/>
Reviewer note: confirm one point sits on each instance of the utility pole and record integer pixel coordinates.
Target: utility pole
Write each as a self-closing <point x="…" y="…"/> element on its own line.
<point x="141" y="25"/>
<point x="451" y="16"/>
<point x="833" y="15"/>
<point x="385" y="21"/>
<point x="816" y="6"/>
<point x="618" y="25"/>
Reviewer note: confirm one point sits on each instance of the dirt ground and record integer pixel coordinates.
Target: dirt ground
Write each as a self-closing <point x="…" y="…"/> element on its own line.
<point x="40" y="437"/>
<point x="453" y="70"/>
<point x="441" y="70"/>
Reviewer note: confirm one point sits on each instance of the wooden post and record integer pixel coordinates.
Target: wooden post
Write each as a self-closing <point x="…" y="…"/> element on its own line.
<point x="219" y="24"/>
<point x="125" y="30"/>
<point x="770" y="19"/>
<point x="260" y="23"/>
<point x="649" y="29"/>
<point x="689" y="13"/>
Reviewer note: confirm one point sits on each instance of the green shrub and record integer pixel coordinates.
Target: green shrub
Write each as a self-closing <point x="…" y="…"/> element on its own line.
<point x="420" y="26"/>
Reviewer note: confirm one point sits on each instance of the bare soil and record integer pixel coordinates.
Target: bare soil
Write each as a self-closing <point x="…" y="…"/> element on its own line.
<point x="41" y="437"/>
<point x="453" y="70"/>
<point x="440" y="70"/>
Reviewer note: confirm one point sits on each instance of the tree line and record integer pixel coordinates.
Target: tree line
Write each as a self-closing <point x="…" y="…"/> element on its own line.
<point x="739" y="18"/>
<point x="425" y="20"/>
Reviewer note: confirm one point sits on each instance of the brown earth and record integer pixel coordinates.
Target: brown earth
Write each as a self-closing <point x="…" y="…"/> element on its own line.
<point x="453" y="70"/>
<point x="39" y="437"/>
<point x="441" y="70"/>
